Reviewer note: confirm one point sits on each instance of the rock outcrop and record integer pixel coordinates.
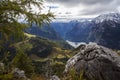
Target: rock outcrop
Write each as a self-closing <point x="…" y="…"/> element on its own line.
<point x="2" y="68"/>
<point x="17" y="73"/>
<point x="97" y="62"/>
<point x="54" y="77"/>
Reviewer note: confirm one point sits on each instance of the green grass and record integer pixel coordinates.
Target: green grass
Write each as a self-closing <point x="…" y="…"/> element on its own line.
<point x="29" y="35"/>
<point x="6" y="77"/>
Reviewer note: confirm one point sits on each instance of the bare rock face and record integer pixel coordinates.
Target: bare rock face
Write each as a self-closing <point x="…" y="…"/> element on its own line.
<point x="97" y="62"/>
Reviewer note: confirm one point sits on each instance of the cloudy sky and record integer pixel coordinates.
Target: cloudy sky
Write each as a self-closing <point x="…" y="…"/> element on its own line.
<point x="81" y="8"/>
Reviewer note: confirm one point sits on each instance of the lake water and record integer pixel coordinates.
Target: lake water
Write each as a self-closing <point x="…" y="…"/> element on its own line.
<point x="75" y="44"/>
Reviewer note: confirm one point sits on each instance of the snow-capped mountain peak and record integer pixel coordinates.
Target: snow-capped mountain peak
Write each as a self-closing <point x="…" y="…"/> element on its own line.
<point x="107" y="17"/>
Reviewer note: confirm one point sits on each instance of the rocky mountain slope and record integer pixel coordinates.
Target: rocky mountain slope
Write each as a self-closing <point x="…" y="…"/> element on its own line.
<point x="80" y="31"/>
<point x="63" y="27"/>
<point x="106" y="30"/>
<point x="46" y="32"/>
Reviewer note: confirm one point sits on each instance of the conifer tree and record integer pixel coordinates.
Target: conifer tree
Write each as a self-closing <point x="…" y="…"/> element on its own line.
<point x="12" y="10"/>
<point x="23" y="62"/>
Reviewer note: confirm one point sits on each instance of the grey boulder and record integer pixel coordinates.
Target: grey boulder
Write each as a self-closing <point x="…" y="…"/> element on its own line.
<point x="97" y="63"/>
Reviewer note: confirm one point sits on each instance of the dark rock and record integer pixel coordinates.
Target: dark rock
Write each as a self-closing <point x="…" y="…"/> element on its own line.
<point x="97" y="62"/>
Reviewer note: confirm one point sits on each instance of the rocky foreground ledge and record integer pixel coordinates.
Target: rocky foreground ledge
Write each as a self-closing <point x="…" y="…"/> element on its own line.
<point x="97" y="62"/>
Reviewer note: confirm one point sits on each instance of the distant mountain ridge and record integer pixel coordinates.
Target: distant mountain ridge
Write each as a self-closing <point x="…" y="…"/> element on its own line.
<point x="104" y="30"/>
<point x="46" y="32"/>
<point x="80" y="32"/>
<point x="63" y="27"/>
<point x="107" y="17"/>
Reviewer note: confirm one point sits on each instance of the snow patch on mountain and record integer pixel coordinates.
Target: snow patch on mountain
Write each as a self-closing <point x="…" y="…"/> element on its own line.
<point x="107" y="17"/>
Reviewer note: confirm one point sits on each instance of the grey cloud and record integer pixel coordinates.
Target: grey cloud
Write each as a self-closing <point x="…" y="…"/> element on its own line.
<point x="98" y="9"/>
<point x="92" y="7"/>
<point x="77" y="2"/>
<point x="101" y="8"/>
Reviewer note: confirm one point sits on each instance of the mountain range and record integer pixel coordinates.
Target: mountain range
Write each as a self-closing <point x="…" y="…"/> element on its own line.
<point x="104" y="30"/>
